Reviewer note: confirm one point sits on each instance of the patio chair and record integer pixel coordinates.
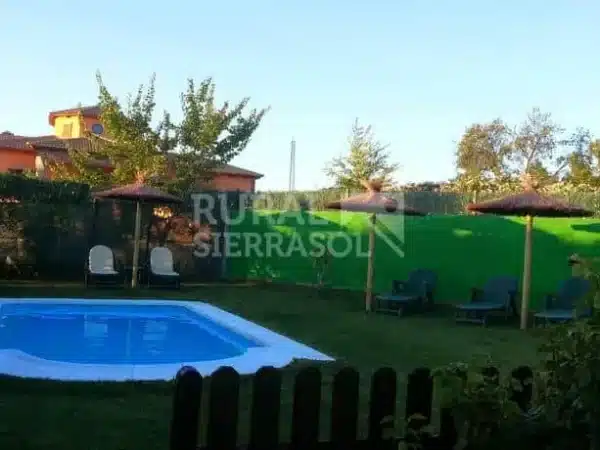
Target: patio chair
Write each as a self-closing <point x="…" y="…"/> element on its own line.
<point x="414" y="294"/>
<point x="162" y="269"/>
<point x="100" y="267"/>
<point x="498" y="296"/>
<point x="562" y="306"/>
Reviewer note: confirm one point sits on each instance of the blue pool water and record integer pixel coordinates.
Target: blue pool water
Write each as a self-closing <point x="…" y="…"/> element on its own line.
<point x="117" y="333"/>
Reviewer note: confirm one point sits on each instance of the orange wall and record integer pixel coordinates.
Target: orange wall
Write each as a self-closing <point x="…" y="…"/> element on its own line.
<point x="16" y="159"/>
<point x="23" y="159"/>
<point x="226" y="182"/>
<point x="88" y="122"/>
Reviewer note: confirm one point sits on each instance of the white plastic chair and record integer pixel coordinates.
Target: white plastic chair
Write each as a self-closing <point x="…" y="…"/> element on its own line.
<point x="101" y="264"/>
<point x="162" y="266"/>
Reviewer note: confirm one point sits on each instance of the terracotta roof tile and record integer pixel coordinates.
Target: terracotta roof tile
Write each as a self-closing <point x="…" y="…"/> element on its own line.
<point x="18" y="142"/>
<point x="235" y="170"/>
<point x="54" y="143"/>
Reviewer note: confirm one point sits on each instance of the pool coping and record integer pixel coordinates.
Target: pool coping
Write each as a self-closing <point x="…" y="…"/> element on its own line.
<point x="276" y="350"/>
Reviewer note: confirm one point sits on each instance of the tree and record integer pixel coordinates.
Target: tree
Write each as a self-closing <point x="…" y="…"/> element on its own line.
<point x="483" y="149"/>
<point x="583" y="163"/>
<point x="209" y="135"/>
<point x="542" y="149"/>
<point x="367" y="159"/>
<point x="494" y="154"/>
<point x="481" y="156"/>
<point x="131" y="146"/>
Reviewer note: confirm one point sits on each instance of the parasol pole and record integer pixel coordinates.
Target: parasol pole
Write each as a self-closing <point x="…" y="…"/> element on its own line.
<point x="370" y="265"/>
<point x="136" y="243"/>
<point x="526" y="272"/>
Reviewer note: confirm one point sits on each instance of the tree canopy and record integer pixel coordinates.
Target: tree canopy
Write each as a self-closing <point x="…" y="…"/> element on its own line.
<point x="496" y="153"/>
<point x="174" y="155"/>
<point x="367" y="159"/>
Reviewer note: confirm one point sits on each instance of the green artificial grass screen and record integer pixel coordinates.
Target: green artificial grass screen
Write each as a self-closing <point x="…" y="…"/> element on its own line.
<point x="464" y="250"/>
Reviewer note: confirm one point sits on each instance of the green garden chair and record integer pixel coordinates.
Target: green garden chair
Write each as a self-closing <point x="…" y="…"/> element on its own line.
<point x="498" y="296"/>
<point x="562" y="306"/>
<point x="414" y="294"/>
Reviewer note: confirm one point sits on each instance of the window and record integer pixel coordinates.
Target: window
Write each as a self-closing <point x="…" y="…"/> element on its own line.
<point x="16" y="171"/>
<point x="97" y="128"/>
<point x="67" y="130"/>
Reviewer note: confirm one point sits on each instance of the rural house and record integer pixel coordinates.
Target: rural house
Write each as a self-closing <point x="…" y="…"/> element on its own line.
<point x="32" y="153"/>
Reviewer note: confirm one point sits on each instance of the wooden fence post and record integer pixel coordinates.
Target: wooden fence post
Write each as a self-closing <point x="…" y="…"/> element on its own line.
<point x="344" y="408"/>
<point x="382" y="410"/>
<point x="186" y="410"/>
<point x="306" y="409"/>
<point x="221" y="433"/>
<point x="266" y="402"/>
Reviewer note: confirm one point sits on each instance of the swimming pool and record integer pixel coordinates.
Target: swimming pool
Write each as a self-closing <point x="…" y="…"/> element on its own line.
<point x="118" y="340"/>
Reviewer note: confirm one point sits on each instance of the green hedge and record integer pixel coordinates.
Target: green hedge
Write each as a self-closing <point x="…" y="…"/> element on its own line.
<point x="431" y="202"/>
<point x="463" y="250"/>
<point x="33" y="190"/>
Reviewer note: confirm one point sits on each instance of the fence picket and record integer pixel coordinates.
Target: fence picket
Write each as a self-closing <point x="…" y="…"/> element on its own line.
<point x="266" y="400"/>
<point x="306" y="409"/>
<point x="419" y="396"/>
<point x="185" y="418"/>
<point x="266" y="403"/>
<point x="382" y="408"/>
<point x="223" y="409"/>
<point x="344" y="408"/>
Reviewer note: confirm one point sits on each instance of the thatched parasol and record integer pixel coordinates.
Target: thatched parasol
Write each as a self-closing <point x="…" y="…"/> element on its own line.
<point x="139" y="193"/>
<point x="528" y="203"/>
<point x="373" y="202"/>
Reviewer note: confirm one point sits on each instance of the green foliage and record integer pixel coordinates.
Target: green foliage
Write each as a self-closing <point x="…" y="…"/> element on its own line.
<point x="131" y="145"/>
<point x="209" y="135"/>
<point x="321" y="258"/>
<point x="480" y="404"/>
<point x="495" y="153"/>
<point x="483" y="150"/>
<point x="566" y="407"/>
<point x="25" y="189"/>
<point x="366" y="160"/>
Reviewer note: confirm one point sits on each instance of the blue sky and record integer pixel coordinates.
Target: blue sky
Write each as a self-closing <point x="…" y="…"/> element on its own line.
<point x="418" y="71"/>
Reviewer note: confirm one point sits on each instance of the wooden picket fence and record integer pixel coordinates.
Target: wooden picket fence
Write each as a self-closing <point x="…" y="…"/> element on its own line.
<point x="264" y="432"/>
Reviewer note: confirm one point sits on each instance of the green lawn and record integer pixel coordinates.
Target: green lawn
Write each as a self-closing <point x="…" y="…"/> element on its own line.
<point x="65" y="416"/>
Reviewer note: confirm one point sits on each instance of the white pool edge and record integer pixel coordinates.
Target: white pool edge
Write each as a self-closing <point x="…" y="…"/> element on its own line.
<point x="276" y="350"/>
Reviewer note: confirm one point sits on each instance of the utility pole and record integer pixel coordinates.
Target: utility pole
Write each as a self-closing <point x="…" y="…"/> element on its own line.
<point x="292" y="180"/>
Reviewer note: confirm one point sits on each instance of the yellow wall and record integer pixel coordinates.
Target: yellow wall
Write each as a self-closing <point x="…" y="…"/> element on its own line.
<point x="78" y="125"/>
<point x="74" y="121"/>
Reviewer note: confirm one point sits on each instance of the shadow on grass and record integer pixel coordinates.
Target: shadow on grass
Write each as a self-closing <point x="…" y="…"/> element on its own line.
<point x="588" y="227"/>
<point x="282" y="246"/>
<point x="465" y="251"/>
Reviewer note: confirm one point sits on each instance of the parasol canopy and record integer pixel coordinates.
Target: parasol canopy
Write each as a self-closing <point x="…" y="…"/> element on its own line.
<point x="138" y="192"/>
<point x="374" y="202"/>
<point x="529" y="203"/>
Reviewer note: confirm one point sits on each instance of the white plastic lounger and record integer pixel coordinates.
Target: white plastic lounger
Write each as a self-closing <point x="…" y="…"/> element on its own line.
<point x="162" y="268"/>
<point x="100" y="267"/>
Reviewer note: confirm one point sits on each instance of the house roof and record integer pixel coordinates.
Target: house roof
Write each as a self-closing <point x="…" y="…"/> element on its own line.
<point x="54" y="143"/>
<point x="85" y="111"/>
<point x="230" y="169"/>
<point x="55" y="148"/>
<point x="18" y="142"/>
